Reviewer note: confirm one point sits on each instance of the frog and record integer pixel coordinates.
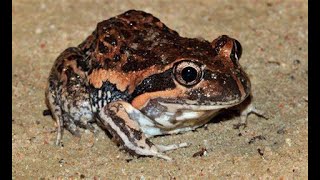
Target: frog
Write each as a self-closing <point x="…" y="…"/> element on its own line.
<point x="135" y="78"/>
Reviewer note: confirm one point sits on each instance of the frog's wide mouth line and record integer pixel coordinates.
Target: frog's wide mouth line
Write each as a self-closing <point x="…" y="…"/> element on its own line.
<point x="217" y="105"/>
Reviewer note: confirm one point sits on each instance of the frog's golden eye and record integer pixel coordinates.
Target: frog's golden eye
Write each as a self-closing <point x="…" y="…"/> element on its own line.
<point x="187" y="73"/>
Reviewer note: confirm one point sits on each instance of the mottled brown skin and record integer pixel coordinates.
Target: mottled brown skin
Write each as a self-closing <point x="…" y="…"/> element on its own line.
<point x="121" y="75"/>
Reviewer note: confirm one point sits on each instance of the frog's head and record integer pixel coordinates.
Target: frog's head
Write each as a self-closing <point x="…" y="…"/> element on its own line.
<point x="199" y="83"/>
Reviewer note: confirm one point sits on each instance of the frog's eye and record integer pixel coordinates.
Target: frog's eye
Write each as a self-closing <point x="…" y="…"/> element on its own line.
<point x="236" y="50"/>
<point x="187" y="73"/>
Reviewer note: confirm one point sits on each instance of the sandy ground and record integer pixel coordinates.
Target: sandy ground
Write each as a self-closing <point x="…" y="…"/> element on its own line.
<point x="275" y="50"/>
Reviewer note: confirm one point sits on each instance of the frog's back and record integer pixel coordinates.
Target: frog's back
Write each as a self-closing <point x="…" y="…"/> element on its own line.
<point x="136" y="40"/>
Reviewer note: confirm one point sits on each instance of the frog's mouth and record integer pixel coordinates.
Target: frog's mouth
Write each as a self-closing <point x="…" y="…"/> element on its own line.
<point x="190" y="105"/>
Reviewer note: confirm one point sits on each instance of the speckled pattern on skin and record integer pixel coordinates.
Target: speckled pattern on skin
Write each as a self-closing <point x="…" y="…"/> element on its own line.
<point x="136" y="78"/>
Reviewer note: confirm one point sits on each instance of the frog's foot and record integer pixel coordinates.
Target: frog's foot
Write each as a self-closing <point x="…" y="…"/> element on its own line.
<point x="126" y="131"/>
<point x="71" y="127"/>
<point x="77" y="120"/>
<point x="67" y="122"/>
<point x="246" y="112"/>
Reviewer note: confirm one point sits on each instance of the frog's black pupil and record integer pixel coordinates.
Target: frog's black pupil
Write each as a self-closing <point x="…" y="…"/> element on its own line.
<point x="189" y="74"/>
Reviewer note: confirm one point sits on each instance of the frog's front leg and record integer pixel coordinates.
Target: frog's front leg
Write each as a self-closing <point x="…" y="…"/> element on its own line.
<point x="118" y="119"/>
<point x="246" y="108"/>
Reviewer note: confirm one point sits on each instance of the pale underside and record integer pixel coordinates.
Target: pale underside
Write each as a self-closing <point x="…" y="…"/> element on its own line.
<point x="177" y="119"/>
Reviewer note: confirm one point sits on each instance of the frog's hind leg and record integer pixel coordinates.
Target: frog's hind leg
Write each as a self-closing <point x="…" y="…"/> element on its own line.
<point x="66" y="94"/>
<point x="56" y="112"/>
<point x="116" y="119"/>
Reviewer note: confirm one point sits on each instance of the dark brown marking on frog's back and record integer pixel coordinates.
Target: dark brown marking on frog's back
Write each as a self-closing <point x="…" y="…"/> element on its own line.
<point x="136" y="40"/>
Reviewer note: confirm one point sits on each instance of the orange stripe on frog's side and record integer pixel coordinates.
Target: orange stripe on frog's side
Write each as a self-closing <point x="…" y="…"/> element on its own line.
<point x="140" y="101"/>
<point x="98" y="76"/>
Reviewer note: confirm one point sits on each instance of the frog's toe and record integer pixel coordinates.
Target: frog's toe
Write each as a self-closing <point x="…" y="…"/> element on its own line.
<point x="94" y="128"/>
<point x="149" y="150"/>
<point x="73" y="129"/>
<point x="59" y="136"/>
<point x="162" y="156"/>
<point x="163" y="148"/>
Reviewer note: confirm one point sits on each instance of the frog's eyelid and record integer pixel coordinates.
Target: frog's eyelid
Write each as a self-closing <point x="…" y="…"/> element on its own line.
<point x="236" y="56"/>
<point x="237" y="48"/>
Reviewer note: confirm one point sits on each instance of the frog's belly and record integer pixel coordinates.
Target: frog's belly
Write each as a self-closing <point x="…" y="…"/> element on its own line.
<point x="173" y="123"/>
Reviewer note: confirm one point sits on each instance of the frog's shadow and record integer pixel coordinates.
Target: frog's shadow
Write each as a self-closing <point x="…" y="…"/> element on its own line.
<point x="225" y="115"/>
<point x="230" y="114"/>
